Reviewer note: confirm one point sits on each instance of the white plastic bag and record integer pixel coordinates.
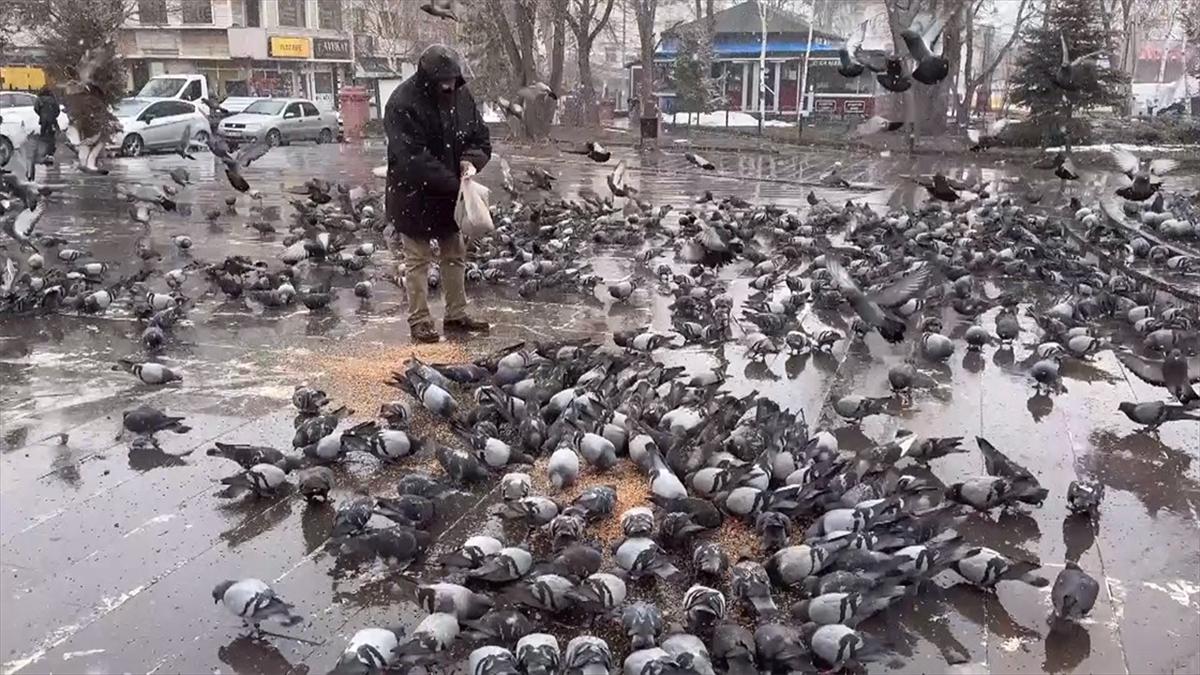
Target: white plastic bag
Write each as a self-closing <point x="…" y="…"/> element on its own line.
<point x="471" y="212"/>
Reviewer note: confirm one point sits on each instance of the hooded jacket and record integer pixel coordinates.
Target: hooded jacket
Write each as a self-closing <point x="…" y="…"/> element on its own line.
<point x="47" y="108"/>
<point x="426" y="144"/>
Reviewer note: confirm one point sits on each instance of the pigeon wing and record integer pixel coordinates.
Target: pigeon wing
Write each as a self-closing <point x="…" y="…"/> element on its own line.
<point x="1160" y="166"/>
<point x="998" y="464"/>
<point x="1125" y="160"/>
<point x="840" y="276"/>
<point x="1145" y="370"/>
<point x="252" y="152"/>
<point x="903" y="289"/>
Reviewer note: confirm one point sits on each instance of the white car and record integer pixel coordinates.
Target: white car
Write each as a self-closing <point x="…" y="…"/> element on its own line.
<point x="150" y="124"/>
<point x="18" y="120"/>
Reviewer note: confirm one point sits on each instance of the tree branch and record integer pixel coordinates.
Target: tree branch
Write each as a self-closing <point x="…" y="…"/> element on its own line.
<point x="603" y="20"/>
<point x="985" y="73"/>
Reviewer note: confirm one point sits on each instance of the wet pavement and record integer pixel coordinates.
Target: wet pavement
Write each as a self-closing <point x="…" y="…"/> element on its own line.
<point x="109" y="554"/>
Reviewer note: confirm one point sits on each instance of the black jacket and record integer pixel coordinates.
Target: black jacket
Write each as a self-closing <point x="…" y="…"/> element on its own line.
<point x="424" y="153"/>
<point x="47" y="109"/>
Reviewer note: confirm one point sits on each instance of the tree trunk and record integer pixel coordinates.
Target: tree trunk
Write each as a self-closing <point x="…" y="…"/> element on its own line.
<point x="964" y="110"/>
<point x="591" y="113"/>
<point x="557" y="53"/>
<point x="645" y="11"/>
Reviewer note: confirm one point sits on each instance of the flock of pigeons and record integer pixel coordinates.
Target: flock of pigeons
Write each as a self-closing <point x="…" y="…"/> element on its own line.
<point x="843" y="535"/>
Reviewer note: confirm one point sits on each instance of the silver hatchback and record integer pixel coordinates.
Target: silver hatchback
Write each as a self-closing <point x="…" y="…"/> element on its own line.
<point x="279" y="121"/>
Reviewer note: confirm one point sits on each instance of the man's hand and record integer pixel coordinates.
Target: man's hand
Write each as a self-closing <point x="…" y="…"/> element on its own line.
<point x="466" y="169"/>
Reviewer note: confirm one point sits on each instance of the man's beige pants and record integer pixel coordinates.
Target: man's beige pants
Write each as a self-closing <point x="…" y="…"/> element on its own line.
<point x="418" y="255"/>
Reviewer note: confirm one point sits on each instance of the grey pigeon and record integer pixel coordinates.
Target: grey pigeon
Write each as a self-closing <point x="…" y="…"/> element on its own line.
<point x="492" y="660"/>
<point x="563" y="467"/>
<point x="500" y="627"/>
<point x="538" y="654"/>
<point x="1074" y="593"/>
<point x="246" y="455"/>
<point x="264" y="480"/>
<point x="640" y="556"/>
<point x="834" y="644"/>
<point x="435" y="634"/>
<point x="643" y="622"/>
<point x="985" y="568"/>
<point x="703" y="606"/>
<point x="315" y="482"/>
<point x="710" y="559"/>
<point x="587" y="655"/>
<point x="1085" y="497"/>
<point x="461" y="466"/>
<point x="751" y="584"/>
<point x="733" y="646"/>
<point x="854" y="407"/>
<point x="472" y="553"/>
<point x="549" y="592"/>
<point x="1176" y="373"/>
<point x="352" y="516"/>
<point x="872" y="308"/>
<point x="599" y="592"/>
<point x="149" y="420"/>
<point x="1154" y="414"/>
<point x="506" y="565"/>
<point x="593" y="503"/>
<point x="370" y="650"/>
<point x="254" y="602"/>
<point x="689" y="652"/>
<point x="408" y="510"/>
<point x="458" y="600"/>
<point x="781" y="649"/>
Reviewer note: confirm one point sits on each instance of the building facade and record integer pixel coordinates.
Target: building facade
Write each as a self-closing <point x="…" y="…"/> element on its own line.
<point x="737" y="66"/>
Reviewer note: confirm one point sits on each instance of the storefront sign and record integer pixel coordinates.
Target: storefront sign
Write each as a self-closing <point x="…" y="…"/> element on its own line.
<point x="325" y="48"/>
<point x="290" y="47"/>
<point x="855" y="107"/>
<point x="826" y="105"/>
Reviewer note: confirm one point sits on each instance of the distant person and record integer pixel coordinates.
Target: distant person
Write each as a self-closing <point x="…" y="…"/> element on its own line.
<point x="435" y="137"/>
<point x="47" y="108"/>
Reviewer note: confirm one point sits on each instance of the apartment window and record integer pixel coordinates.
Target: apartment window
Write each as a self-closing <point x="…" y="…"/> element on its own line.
<point x="291" y="13"/>
<point x="610" y="54"/>
<point x="329" y="12"/>
<point x="254" y="13"/>
<point x="358" y="19"/>
<point x="152" y="12"/>
<point x="197" y="11"/>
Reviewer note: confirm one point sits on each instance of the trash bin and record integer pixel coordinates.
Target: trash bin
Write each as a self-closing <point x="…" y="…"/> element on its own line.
<point x="356" y="110"/>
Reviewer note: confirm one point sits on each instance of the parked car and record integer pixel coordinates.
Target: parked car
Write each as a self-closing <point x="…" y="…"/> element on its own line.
<point x="236" y="104"/>
<point x="18" y="120"/>
<point x="279" y="121"/>
<point x="191" y="87"/>
<point x="148" y="124"/>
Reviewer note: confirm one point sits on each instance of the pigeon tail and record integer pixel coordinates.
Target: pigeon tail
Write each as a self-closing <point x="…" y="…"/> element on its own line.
<point x="892" y="330"/>
<point x="764" y="606"/>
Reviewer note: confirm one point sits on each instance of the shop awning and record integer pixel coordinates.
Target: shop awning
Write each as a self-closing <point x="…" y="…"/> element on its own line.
<point x="375" y="68"/>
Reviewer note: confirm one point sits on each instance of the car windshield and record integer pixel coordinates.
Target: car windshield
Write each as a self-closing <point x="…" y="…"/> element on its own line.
<point x="164" y="87"/>
<point x="264" y="108"/>
<point x="129" y="107"/>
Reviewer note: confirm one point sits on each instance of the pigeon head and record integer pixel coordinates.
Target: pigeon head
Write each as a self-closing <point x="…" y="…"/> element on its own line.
<point x="219" y="592"/>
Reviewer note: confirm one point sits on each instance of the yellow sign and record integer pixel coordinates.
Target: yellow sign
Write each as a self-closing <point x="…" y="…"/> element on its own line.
<point x="27" y="78"/>
<point x="291" y="47"/>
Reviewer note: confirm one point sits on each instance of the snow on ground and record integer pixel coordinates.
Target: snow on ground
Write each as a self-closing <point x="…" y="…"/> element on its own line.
<point x="1108" y="147"/>
<point x="719" y="119"/>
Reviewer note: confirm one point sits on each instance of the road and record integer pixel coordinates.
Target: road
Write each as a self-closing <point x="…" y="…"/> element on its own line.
<point x="109" y="554"/>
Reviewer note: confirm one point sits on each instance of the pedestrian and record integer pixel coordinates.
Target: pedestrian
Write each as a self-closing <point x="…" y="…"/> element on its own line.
<point x="47" y="108"/>
<point x="436" y="137"/>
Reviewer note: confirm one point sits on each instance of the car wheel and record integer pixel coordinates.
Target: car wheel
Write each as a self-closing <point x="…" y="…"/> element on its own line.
<point x="133" y="146"/>
<point x="6" y="150"/>
<point x="201" y="138"/>
<point x="324" y="137"/>
<point x="274" y="138"/>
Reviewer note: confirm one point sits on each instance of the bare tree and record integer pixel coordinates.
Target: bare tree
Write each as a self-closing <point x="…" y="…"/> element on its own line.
<point x="580" y="16"/>
<point x="644" y="13"/>
<point x="971" y="80"/>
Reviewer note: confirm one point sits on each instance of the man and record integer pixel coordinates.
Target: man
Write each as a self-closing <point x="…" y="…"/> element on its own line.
<point x="435" y="138"/>
<point x="47" y="108"/>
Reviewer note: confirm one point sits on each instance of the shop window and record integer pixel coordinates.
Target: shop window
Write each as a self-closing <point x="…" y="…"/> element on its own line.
<point x="291" y="13"/>
<point x="152" y="12"/>
<point x="329" y="12"/>
<point x="197" y="11"/>
<point x="323" y="83"/>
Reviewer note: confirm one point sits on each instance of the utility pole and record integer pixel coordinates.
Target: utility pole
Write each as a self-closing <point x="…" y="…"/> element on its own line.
<point x="803" y="83"/>
<point x="762" y="66"/>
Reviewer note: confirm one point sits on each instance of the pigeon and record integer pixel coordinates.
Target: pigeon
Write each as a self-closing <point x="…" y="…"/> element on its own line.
<point x="708" y="558"/>
<point x="264" y="480"/>
<point x="593" y="503"/>
<point x="506" y="565"/>
<point x="407" y="510"/>
<point x="461" y="466"/>
<point x="834" y="644"/>
<point x="733" y="646"/>
<point x="155" y="373"/>
<point x="1064" y="76"/>
<point x="309" y="400"/>
<point x="930" y="68"/>
<point x="751" y="584"/>
<point x="587" y="655"/>
<point x="1143" y="186"/>
<point x="872" y="308"/>
<point x="549" y="592"/>
<point x="149" y="420"/>
<point x="1176" y="373"/>
<point x="515" y="486"/>
<point x="538" y="654"/>
<point x="985" y="568"/>
<point x="246" y="455"/>
<point x="563" y="468"/>
<point x="780" y="649"/>
<point x="314" y="483"/>
<point x="982" y="140"/>
<point x="689" y="653"/>
<point x="849" y="66"/>
<point x="454" y="599"/>
<point x="699" y="161"/>
<point x="643" y="623"/>
<point x="535" y="511"/>
<point x="1085" y="497"/>
<point x="846" y="608"/>
<point x="370" y="650"/>
<point x="235" y="163"/>
<point x="397" y="547"/>
<point x="599" y="592"/>
<point x="640" y="556"/>
<point x="254" y="602"/>
<point x="876" y="125"/>
<point x="537" y="90"/>
<point x="20" y="225"/>
<point x="352" y="516"/>
<point x="616" y="181"/>
<point x="593" y="151"/>
<point x="855" y="408"/>
<point x="492" y="660"/>
<point x="473" y="552"/>
<point x="1153" y="414"/>
<point x="433" y="635"/>
<point x="1074" y="593"/>
<point x="703" y="606"/>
